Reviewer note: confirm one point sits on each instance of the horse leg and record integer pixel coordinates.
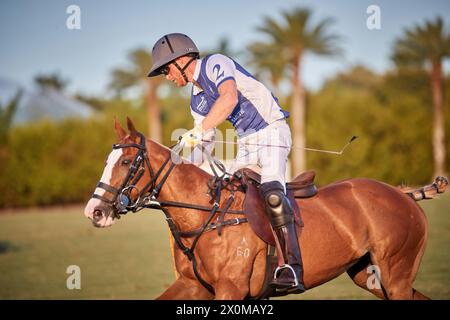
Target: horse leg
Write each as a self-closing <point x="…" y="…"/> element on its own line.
<point x="419" y="296"/>
<point x="185" y="289"/>
<point x="226" y="289"/>
<point x="396" y="237"/>
<point x="398" y="271"/>
<point x="360" y="273"/>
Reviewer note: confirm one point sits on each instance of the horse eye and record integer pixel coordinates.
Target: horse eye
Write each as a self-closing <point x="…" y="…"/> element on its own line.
<point x="126" y="162"/>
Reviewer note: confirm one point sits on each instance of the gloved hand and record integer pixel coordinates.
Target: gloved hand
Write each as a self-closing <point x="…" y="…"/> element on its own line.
<point x="193" y="137"/>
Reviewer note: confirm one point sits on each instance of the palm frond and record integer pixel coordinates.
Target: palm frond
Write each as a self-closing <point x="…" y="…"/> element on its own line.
<point x="423" y="42"/>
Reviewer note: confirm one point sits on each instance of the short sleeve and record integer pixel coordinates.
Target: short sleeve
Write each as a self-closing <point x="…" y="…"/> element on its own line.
<point x="220" y="68"/>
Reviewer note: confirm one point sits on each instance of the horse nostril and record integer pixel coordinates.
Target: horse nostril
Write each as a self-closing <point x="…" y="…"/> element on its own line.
<point x="98" y="213"/>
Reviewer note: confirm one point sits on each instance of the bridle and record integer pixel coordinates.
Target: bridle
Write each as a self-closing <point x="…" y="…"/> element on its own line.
<point x="122" y="203"/>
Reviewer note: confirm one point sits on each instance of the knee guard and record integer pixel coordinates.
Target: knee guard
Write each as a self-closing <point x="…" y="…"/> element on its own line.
<point x="278" y="206"/>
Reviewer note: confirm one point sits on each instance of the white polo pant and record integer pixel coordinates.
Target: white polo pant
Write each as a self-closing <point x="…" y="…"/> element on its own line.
<point x="268" y="149"/>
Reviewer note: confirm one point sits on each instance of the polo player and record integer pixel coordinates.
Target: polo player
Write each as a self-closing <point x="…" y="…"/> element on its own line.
<point x="223" y="90"/>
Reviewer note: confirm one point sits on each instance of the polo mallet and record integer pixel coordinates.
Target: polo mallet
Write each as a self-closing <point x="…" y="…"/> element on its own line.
<point x="294" y="147"/>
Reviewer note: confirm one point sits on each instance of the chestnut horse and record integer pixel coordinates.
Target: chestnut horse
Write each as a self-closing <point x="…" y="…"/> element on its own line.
<point x="349" y="226"/>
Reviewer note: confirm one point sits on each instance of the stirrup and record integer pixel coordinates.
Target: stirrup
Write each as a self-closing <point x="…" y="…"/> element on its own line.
<point x="286" y="266"/>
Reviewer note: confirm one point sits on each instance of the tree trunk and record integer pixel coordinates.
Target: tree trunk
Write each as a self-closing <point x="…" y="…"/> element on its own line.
<point x="298" y="120"/>
<point x="438" y="119"/>
<point x="154" y="114"/>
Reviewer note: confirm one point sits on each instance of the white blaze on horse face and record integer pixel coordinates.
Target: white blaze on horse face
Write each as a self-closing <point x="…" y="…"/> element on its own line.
<point x="113" y="157"/>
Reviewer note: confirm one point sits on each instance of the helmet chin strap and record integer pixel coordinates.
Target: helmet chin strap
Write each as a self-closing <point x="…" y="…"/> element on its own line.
<point x="184" y="68"/>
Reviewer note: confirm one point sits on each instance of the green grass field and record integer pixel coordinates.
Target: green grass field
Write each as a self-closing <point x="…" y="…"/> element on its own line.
<point x="131" y="260"/>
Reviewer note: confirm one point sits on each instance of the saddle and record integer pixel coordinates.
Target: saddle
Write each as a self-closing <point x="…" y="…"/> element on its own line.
<point x="301" y="186"/>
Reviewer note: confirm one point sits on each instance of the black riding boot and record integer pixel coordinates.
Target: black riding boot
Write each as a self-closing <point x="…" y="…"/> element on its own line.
<point x="290" y="275"/>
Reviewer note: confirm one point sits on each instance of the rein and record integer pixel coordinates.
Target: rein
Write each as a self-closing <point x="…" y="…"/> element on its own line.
<point x="147" y="198"/>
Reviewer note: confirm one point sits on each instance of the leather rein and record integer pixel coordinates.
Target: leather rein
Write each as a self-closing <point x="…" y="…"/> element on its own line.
<point x="121" y="203"/>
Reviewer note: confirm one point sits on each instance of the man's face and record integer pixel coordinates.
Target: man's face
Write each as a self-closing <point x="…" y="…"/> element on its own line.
<point x="174" y="75"/>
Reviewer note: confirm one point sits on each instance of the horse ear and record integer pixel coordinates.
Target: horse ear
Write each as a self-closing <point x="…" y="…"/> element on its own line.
<point x="131" y="127"/>
<point x="119" y="130"/>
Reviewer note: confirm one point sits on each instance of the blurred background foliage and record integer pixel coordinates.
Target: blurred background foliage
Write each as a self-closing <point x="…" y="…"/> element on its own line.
<point x="48" y="162"/>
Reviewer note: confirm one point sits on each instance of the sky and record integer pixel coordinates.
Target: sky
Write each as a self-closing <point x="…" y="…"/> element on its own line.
<point x="34" y="37"/>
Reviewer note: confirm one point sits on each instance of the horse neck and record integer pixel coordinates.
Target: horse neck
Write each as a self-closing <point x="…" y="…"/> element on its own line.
<point x="186" y="183"/>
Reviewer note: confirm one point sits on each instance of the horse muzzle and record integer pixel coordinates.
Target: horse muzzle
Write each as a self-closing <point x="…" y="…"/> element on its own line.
<point x="101" y="214"/>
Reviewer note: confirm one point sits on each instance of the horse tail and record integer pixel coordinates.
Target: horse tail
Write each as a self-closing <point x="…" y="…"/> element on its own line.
<point x="429" y="191"/>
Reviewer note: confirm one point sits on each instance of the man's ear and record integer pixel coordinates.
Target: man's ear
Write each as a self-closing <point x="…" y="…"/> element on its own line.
<point x="131" y="128"/>
<point x="120" y="132"/>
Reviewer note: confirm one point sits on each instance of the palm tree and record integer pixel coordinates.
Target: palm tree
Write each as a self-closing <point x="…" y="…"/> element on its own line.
<point x="289" y="41"/>
<point x="136" y="75"/>
<point x="426" y="46"/>
<point x="265" y="57"/>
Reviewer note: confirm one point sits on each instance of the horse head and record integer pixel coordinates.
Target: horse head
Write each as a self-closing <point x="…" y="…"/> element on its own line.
<point x="119" y="187"/>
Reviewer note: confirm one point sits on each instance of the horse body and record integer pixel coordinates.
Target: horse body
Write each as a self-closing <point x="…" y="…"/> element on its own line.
<point x="347" y="222"/>
<point x="349" y="226"/>
<point x="343" y="223"/>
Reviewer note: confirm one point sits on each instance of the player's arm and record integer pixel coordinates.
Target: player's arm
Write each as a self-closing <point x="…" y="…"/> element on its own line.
<point x="224" y="105"/>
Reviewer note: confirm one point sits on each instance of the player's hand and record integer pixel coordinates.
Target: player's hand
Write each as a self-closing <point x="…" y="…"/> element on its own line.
<point x="193" y="137"/>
